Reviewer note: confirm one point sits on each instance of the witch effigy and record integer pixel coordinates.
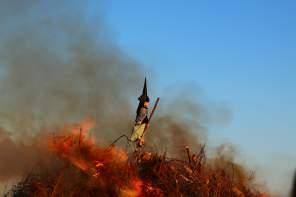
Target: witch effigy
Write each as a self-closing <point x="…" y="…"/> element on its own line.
<point x="142" y="120"/>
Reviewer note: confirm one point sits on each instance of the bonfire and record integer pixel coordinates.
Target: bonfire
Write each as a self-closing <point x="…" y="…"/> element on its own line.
<point x="80" y="167"/>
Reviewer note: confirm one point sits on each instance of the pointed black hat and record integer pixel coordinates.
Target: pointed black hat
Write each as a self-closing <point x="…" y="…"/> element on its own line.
<point x="144" y="97"/>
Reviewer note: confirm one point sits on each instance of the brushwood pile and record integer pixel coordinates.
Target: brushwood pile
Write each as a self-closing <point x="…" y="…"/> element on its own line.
<point x="79" y="167"/>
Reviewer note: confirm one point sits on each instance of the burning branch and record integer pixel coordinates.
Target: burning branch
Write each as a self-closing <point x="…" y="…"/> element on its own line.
<point x="92" y="170"/>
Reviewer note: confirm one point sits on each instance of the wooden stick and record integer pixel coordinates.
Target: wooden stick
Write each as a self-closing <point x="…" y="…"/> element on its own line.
<point x="154" y="108"/>
<point x="151" y="114"/>
<point x="188" y="155"/>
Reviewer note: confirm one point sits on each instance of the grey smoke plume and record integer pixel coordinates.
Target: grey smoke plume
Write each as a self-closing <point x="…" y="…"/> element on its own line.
<point x="59" y="65"/>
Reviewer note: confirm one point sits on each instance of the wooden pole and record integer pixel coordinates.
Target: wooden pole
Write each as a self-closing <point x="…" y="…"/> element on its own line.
<point x="151" y="114"/>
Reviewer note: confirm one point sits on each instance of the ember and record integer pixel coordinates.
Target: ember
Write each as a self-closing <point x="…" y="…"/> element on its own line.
<point x="83" y="168"/>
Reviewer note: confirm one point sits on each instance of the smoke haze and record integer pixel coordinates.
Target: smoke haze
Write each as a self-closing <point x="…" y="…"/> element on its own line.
<point x="58" y="66"/>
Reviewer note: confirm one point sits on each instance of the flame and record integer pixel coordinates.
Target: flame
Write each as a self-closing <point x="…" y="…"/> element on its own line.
<point x="103" y="164"/>
<point x="91" y="169"/>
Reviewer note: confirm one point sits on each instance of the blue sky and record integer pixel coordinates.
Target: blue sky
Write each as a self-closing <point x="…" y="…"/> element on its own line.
<point x="241" y="53"/>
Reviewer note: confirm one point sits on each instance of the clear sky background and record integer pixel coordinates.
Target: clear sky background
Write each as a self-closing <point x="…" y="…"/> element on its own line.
<point x="240" y="53"/>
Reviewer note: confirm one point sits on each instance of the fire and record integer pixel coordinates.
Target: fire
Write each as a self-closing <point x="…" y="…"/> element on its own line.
<point x="84" y="168"/>
<point x="105" y="165"/>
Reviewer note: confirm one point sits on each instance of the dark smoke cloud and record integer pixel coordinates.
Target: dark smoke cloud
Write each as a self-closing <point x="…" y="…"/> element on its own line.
<point x="59" y="65"/>
<point x="17" y="158"/>
<point x="178" y="123"/>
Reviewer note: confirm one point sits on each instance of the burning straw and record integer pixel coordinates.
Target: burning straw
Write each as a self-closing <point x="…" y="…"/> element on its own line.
<point x="83" y="168"/>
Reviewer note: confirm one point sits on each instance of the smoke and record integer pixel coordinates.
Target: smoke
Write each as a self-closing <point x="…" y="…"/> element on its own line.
<point x="17" y="158"/>
<point x="179" y="124"/>
<point x="58" y="65"/>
